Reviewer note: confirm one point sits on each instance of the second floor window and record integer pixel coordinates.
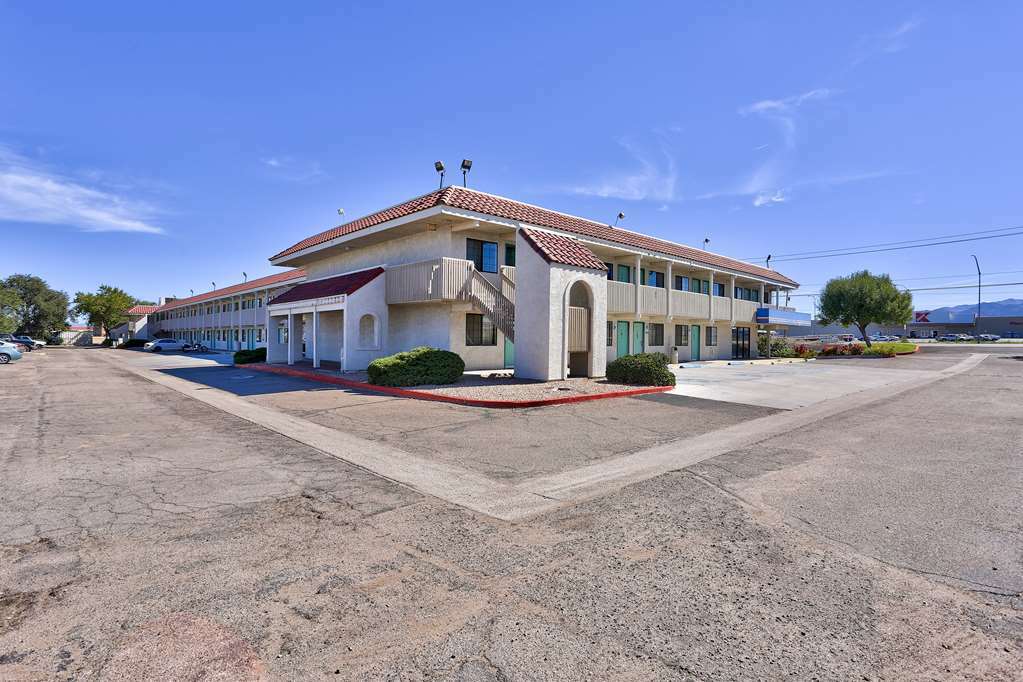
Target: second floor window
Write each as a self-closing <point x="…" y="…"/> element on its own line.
<point x="509" y="255"/>
<point x="655" y="279"/>
<point x="482" y="254"/>
<point x="624" y="273"/>
<point x="719" y="289"/>
<point x="681" y="283"/>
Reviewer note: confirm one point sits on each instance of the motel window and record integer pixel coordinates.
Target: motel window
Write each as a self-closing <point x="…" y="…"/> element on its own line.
<point x="610" y="270"/>
<point x="681" y="283"/>
<point x="655" y="279"/>
<point x="282" y="334"/>
<point x="695" y="285"/>
<point x="259" y="302"/>
<point x="712" y="336"/>
<point x="259" y="335"/>
<point x="236" y="305"/>
<point x="610" y="332"/>
<point x="719" y="289"/>
<point x="656" y="334"/>
<point x="482" y="254"/>
<point x="509" y="255"/>
<point x="624" y="273"/>
<point x="479" y="330"/>
<point x="681" y="335"/>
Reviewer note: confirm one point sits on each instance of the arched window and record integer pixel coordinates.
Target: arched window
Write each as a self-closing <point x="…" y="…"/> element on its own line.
<point x="368" y="332"/>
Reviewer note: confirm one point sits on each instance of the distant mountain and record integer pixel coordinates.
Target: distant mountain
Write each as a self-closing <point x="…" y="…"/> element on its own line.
<point x="1010" y="307"/>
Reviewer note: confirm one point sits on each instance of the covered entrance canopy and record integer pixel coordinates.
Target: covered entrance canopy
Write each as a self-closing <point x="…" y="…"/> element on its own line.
<point x="308" y="321"/>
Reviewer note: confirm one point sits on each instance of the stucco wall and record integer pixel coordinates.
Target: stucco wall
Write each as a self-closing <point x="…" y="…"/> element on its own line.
<point x="328" y="336"/>
<point x="532" y="314"/>
<point x="419" y="324"/>
<point x="413" y="248"/>
<point x="370" y="299"/>
<point x="475" y="357"/>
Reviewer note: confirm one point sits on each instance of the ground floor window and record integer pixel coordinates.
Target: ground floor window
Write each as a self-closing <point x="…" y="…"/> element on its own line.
<point x="259" y="335"/>
<point x="681" y="334"/>
<point x="479" y="330"/>
<point x="610" y="332"/>
<point x="656" y="334"/>
<point x="712" y="336"/>
<point x="282" y="334"/>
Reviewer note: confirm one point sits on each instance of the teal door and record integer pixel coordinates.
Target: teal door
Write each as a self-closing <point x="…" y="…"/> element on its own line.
<point x="623" y="339"/>
<point x="638" y="337"/>
<point x="694" y="341"/>
<point x="252" y="339"/>
<point x="509" y="353"/>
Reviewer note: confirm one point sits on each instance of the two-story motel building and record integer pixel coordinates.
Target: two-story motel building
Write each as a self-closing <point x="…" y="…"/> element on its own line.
<point x="500" y="282"/>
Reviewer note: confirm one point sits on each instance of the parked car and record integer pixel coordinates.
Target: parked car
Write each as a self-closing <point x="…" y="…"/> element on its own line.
<point x="964" y="337"/>
<point x="948" y="337"/>
<point x="989" y="337"/>
<point x="160" y="345"/>
<point x="29" y="341"/>
<point x="8" y="352"/>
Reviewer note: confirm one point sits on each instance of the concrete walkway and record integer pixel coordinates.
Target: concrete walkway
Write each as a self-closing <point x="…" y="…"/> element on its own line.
<point x="533" y="496"/>
<point x="787" y="386"/>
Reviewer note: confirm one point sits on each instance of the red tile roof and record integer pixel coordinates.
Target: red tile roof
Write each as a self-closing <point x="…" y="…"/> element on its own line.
<point x="489" y="204"/>
<point x="268" y="281"/>
<point x="556" y="248"/>
<point x="331" y="286"/>
<point x="142" y="309"/>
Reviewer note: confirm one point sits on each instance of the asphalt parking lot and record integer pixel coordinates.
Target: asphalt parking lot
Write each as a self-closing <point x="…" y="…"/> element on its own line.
<point x="147" y="533"/>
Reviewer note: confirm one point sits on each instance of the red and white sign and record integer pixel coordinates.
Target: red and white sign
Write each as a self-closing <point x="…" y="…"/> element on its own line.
<point x="921" y="315"/>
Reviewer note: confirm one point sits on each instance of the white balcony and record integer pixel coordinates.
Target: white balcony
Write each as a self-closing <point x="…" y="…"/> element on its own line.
<point x="621" y="297"/>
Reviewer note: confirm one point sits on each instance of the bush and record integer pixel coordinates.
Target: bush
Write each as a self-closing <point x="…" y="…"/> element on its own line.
<point x="107" y="342"/>
<point x="642" y="369"/>
<point x="882" y="352"/>
<point x="779" y="347"/>
<point x="133" y="343"/>
<point x="423" y="365"/>
<point x="56" y="340"/>
<point x="245" y="357"/>
<point x="804" y="351"/>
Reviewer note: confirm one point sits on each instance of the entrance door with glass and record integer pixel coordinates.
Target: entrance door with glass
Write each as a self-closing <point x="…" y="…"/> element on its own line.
<point x="740" y="343"/>
<point x="694" y="342"/>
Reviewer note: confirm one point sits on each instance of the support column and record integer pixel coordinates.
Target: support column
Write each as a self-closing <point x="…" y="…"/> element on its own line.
<point x="731" y="295"/>
<point x="668" y="283"/>
<point x="316" y="332"/>
<point x="238" y="324"/>
<point x="710" y="299"/>
<point x="291" y="338"/>
<point x="635" y="278"/>
<point x="760" y="303"/>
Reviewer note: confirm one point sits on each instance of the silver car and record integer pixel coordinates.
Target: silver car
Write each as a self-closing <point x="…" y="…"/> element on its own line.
<point x="8" y="353"/>
<point x="160" y="345"/>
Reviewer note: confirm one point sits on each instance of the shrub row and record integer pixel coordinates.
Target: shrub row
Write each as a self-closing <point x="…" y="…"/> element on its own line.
<point x="423" y="365"/>
<point x="842" y="349"/>
<point x="246" y="356"/>
<point x="641" y="369"/>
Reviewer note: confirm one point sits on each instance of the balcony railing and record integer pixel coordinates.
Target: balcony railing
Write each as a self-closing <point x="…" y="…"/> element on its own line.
<point x="745" y="311"/>
<point x="439" y="279"/>
<point x="654" y="300"/>
<point x="689" y="304"/>
<point x="621" y="297"/>
<point x="722" y="307"/>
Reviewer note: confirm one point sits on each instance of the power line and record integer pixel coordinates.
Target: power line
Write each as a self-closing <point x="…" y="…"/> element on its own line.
<point x="917" y="279"/>
<point x="901" y="248"/>
<point x="969" y="286"/>
<point x="792" y="256"/>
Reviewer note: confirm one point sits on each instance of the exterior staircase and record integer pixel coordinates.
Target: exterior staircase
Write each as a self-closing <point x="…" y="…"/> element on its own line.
<point x="480" y="292"/>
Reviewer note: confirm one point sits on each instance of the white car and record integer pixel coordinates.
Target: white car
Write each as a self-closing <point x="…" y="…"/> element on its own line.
<point x="160" y="345"/>
<point x="989" y="337"/>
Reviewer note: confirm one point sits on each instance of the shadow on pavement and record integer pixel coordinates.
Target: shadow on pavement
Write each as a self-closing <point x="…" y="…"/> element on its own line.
<point x="242" y="382"/>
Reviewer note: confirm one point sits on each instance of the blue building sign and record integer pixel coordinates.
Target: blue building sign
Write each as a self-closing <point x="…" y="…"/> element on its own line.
<point x="789" y="318"/>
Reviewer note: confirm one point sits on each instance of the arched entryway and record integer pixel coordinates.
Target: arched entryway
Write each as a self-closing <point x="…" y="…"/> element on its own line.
<point x="578" y="341"/>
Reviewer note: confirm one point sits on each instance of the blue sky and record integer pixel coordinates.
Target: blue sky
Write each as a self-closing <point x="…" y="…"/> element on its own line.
<point x="162" y="147"/>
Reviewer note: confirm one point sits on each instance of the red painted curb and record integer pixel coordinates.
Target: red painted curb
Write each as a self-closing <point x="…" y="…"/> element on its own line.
<point x="471" y="402"/>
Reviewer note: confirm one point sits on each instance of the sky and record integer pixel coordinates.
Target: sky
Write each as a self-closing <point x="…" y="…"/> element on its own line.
<point x="160" y="147"/>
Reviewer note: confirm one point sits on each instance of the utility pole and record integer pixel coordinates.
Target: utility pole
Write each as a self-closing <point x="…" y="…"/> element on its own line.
<point x="976" y="320"/>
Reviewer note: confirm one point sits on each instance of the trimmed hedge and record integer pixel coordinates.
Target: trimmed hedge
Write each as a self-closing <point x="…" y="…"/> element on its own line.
<point x="244" y="357"/>
<point x="641" y="369"/>
<point x="423" y="365"/>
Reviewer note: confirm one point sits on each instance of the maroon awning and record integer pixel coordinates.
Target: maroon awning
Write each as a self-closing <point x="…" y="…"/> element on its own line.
<point x="331" y="286"/>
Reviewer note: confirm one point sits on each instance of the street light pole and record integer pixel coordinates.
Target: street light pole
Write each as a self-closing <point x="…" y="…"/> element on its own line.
<point x="976" y="320"/>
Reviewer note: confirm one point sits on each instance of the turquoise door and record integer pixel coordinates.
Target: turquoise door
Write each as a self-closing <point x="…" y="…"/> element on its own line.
<point x="638" y="337"/>
<point x="509" y="353"/>
<point x="623" y="338"/>
<point x="251" y="338"/>
<point x="694" y="341"/>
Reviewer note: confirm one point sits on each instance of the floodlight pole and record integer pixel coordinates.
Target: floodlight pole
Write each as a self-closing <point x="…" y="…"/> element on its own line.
<point x="976" y="320"/>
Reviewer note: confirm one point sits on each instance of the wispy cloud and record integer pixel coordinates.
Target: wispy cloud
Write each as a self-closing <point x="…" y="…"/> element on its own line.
<point x="654" y="177"/>
<point x="292" y="169"/>
<point x="783" y="111"/>
<point x="766" y="185"/>
<point x="33" y="193"/>
<point x="888" y="41"/>
<point x="769" y="198"/>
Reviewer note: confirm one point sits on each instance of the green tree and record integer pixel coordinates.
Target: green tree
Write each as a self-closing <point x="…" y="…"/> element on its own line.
<point x="861" y="299"/>
<point x="106" y="307"/>
<point x="10" y="305"/>
<point x="42" y="310"/>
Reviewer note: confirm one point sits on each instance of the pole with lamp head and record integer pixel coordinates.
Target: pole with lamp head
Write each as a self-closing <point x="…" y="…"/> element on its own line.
<point x="976" y="319"/>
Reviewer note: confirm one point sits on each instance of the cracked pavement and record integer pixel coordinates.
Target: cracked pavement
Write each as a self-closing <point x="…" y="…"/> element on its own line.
<point x="145" y="535"/>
